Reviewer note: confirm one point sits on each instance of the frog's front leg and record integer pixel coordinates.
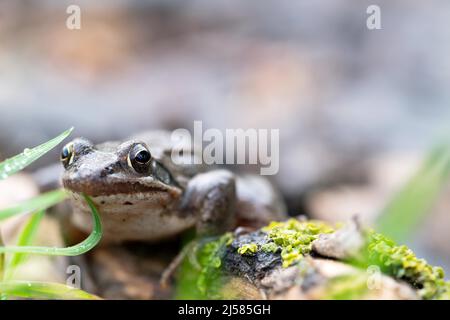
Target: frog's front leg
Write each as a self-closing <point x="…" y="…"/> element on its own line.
<point x="211" y="197"/>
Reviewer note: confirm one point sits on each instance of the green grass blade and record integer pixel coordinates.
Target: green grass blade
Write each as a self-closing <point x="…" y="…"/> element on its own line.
<point x="38" y="203"/>
<point x="2" y="268"/>
<point x="84" y="246"/>
<point x="43" y="290"/>
<point x="20" y="161"/>
<point x="2" y="259"/>
<point x="400" y="217"/>
<point x="26" y="237"/>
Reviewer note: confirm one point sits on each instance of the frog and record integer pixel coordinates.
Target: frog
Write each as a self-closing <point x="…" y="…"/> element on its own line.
<point x="143" y="192"/>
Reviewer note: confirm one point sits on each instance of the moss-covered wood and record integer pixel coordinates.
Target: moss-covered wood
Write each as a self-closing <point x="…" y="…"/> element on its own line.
<point x="301" y="259"/>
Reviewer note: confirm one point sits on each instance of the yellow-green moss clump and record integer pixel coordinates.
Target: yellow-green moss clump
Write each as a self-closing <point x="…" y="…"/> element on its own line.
<point x="295" y="237"/>
<point x="293" y="240"/>
<point x="401" y="263"/>
<point x="269" y="247"/>
<point x="292" y="237"/>
<point x="248" y="249"/>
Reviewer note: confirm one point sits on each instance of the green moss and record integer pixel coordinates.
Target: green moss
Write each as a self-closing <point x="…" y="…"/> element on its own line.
<point x="294" y="238"/>
<point x="269" y="247"/>
<point x="248" y="249"/>
<point x="204" y="282"/>
<point x="401" y="263"/>
<point x="210" y="257"/>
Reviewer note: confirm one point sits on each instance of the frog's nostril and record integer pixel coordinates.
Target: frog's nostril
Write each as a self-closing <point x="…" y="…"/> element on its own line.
<point x="108" y="170"/>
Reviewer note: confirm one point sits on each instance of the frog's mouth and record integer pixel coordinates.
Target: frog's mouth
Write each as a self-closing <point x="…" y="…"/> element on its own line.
<point x="107" y="188"/>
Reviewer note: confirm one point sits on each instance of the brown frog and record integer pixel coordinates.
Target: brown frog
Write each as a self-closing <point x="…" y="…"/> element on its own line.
<point x="142" y="194"/>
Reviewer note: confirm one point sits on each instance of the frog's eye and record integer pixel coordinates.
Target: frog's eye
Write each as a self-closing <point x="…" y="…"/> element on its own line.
<point x="67" y="155"/>
<point x="139" y="158"/>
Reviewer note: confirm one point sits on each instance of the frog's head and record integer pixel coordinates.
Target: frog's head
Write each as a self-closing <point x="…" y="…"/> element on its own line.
<point x="113" y="168"/>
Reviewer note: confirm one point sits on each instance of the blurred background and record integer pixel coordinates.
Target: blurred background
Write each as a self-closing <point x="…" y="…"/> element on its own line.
<point x="357" y="109"/>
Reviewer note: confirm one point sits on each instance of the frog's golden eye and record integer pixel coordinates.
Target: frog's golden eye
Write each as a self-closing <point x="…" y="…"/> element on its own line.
<point x="139" y="158"/>
<point x="67" y="155"/>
